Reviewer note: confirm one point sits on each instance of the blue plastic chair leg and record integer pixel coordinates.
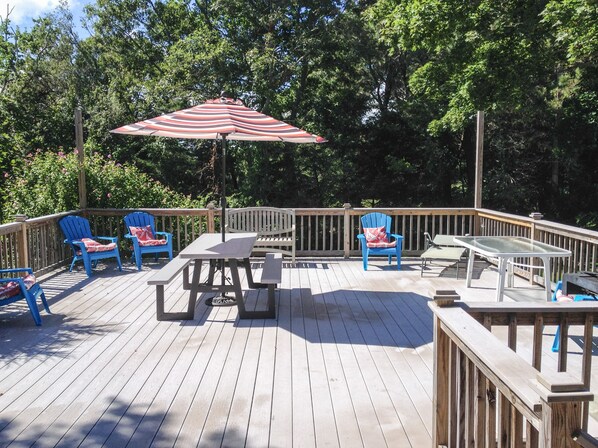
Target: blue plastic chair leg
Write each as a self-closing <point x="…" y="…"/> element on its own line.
<point x="72" y="264"/>
<point x="555" y="343"/>
<point x="87" y="265"/>
<point x="33" y="308"/>
<point x="137" y="258"/>
<point x="45" y="302"/>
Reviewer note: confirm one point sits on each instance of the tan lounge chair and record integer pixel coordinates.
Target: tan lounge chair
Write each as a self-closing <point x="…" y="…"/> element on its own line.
<point x="442" y="247"/>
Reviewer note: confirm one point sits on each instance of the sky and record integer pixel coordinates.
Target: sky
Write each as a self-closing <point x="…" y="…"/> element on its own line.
<point x="24" y="11"/>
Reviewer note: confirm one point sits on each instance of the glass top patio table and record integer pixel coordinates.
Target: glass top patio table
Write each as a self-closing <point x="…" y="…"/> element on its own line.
<point x="505" y="248"/>
<point x="509" y="246"/>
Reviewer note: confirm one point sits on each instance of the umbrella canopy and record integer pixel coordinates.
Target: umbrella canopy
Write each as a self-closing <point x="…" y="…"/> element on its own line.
<point x="218" y="118"/>
<point x="221" y="118"/>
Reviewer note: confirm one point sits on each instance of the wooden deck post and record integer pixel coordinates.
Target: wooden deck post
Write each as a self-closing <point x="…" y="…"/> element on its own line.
<point x="347" y="230"/>
<point x="23" y="246"/>
<point x="563" y="399"/>
<point x="211" y="225"/>
<point x="442" y="367"/>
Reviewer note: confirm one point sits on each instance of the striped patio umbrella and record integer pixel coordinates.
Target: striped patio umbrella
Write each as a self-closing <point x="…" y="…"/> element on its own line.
<point x="222" y="118"/>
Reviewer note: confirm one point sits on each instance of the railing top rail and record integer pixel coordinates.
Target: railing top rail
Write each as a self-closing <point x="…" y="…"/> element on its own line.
<point x="590" y="236"/>
<point x="12" y="227"/>
<point x="153" y="211"/>
<point x="414" y="210"/>
<point x="527" y="312"/>
<point x="511" y="374"/>
<point x="506" y="217"/>
<point x="55" y="216"/>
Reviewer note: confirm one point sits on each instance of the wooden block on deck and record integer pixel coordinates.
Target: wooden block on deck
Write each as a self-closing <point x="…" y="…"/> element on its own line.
<point x="444" y="297"/>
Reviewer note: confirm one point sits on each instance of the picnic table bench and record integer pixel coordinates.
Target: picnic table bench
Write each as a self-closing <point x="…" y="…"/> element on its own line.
<point x="162" y="278"/>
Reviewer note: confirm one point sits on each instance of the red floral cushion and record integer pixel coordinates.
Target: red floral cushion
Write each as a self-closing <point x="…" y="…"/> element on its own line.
<point x="93" y="246"/>
<point x="375" y="234"/>
<point x="560" y="297"/>
<point x="11" y="289"/>
<point x="383" y="244"/>
<point x="145" y="237"/>
<point x="377" y="237"/>
<point x="153" y="243"/>
<point x="142" y="233"/>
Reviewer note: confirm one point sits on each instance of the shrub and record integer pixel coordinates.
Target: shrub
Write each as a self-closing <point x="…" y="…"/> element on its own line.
<point x="47" y="183"/>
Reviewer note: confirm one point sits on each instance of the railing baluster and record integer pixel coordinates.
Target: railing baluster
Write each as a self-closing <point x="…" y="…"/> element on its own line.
<point x="470" y="399"/>
<point x="537" y="342"/>
<point x="512" y="337"/>
<point x="563" y="343"/>
<point x="479" y="408"/>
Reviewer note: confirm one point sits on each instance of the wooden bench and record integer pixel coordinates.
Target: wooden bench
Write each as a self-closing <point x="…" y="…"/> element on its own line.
<point x="275" y="228"/>
<point x="442" y="247"/>
<point x="162" y="278"/>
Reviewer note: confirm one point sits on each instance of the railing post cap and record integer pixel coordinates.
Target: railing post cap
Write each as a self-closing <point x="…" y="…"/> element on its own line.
<point x="20" y="218"/>
<point x="347" y="205"/>
<point x="560" y="382"/>
<point x="536" y="216"/>
<point x="561" y="387"/>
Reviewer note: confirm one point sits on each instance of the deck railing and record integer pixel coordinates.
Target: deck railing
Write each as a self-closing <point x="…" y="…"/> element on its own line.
<point x="490" y="392"/>
<point x="320" y="232"/>
<point x="582" y="243"/>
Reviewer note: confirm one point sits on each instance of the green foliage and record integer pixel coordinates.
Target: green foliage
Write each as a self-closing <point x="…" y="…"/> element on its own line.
<point x="47" y="182"/>
<point x="392" y="84"/>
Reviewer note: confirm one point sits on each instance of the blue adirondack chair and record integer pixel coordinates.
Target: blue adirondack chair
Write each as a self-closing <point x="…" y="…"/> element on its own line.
<point x="576" y="298"/>
<point x="142" y="219"/>
<point x="75" y="228"/>
<point x="20" y="291"/>
<point x="372" y="220"/>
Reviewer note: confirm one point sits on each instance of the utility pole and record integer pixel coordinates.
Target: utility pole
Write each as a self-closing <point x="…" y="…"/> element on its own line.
<point x="479" y="165"/>
<point x="81" y="158"/>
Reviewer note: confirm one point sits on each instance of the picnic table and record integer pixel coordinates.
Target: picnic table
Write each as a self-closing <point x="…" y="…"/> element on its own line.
<point x="234" y="252"/>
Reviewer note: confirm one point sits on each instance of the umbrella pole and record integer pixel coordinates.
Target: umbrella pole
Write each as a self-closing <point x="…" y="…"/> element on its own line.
<point x="222" y="299"/>
<point x="223" y="197"/>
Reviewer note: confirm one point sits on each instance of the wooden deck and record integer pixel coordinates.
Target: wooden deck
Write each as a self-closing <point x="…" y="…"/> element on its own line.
<point x="348" y="362"/>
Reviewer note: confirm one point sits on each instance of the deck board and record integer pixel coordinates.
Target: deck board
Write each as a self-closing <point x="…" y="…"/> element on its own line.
<point x="347" y="362"/>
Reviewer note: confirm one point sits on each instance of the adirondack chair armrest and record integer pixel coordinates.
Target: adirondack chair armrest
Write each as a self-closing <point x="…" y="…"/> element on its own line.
<point x="6" y="271"/>
<point x="133" y="239"/>
<point x="168" y="235"/>
<point x="112" y="239"/>
<point x="396" y="236"/>
<point x="78" y="244"/>
<point x="361" y="236"/>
